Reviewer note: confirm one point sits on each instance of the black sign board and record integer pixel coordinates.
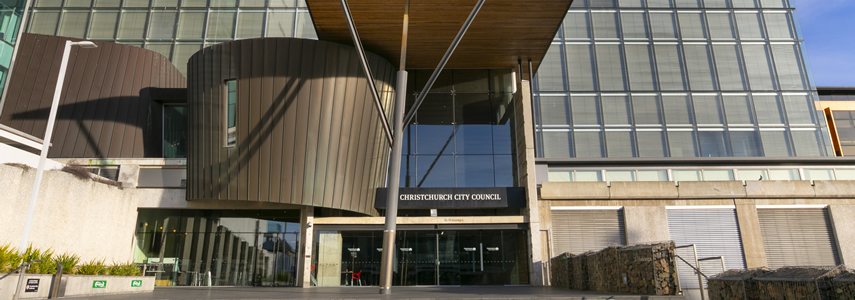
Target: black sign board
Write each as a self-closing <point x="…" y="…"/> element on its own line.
<point x="32" y="285"/>
<point x="410" y="198"/>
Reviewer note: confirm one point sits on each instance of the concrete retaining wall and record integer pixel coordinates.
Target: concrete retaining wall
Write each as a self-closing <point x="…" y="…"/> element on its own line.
<point x="77" y="285"/>
<point x="73" y="215"/>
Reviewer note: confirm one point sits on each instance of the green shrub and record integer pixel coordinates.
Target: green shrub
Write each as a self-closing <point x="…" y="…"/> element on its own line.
<point x="124" y="269"/>
<point x="68" y="262"/>
<point x="47" y="266"/>
<point x="93" y="267"/>
<point x="9" y="258"/>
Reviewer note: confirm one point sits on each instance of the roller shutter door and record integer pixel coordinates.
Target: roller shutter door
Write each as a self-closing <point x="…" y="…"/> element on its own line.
<point x="798" y="237"/>
<point x="715" y="232"/>
<point x="577" y="231"/>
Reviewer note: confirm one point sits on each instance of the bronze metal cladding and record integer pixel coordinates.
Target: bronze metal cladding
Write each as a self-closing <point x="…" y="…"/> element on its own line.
<point x="106" y="101"/>
<point x="307" y="131"/>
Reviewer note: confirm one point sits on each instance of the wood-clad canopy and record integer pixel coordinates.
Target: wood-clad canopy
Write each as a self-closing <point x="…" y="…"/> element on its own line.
<point x="503" y="31"/>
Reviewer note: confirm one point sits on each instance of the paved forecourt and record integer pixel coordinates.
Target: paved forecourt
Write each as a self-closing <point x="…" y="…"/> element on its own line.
<point x="479" y="292"/>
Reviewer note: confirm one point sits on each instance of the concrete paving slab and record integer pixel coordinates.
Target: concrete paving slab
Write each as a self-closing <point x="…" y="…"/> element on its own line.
<point x="362" y="293"/>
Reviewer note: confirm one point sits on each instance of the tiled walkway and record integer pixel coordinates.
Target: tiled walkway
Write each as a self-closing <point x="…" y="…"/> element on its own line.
<point x="480" y="292"/>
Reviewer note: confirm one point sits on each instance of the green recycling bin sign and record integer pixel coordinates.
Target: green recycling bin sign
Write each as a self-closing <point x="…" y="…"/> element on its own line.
<point x="99" y="284"/>
<point x="136" y="283"/>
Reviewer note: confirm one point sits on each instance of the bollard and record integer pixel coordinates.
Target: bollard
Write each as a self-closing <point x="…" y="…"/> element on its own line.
<point x="55" y="282"/>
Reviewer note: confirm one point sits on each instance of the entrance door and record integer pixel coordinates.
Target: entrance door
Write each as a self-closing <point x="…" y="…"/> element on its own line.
<point x="428" y="258"/>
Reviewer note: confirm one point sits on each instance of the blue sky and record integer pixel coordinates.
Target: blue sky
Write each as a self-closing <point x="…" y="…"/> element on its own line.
<point x="828" y="27"/>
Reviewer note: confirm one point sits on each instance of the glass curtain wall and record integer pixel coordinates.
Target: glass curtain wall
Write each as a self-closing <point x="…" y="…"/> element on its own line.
<point x="463" y="133"/>
<point x="430" y="257"/>
<point x="223" y="247"/>
<point x="174" y="28"/>
<point x="10" y="21"/>
<point x="677" y="78"/>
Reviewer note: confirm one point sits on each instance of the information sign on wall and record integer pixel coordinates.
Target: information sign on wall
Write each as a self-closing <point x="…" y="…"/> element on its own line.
<point x="99" y="284"/>
<point x="503" y="197"/>
<point x="136" y="283"/>
<point x="32" y="285"/>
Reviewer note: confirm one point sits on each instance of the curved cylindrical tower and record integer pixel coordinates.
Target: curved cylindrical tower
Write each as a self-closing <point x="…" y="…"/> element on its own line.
<point x="286" y="120"/>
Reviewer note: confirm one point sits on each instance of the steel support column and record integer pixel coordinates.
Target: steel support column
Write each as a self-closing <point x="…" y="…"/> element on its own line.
<point x="387" y="261"/>
<point x="442" y="62"/>
<point x="366" y="69"/>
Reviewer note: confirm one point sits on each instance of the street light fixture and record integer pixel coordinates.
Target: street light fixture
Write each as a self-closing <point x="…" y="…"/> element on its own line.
<point x="48" y="135"/>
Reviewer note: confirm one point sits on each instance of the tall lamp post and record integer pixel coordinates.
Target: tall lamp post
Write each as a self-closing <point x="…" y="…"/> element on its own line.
<point x="48" y="134"/>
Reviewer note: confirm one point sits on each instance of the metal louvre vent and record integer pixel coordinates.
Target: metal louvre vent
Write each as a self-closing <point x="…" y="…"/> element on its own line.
<point x="715" y="232"/>
<point x="798" y="237"/>
<point x="577" y="231"/>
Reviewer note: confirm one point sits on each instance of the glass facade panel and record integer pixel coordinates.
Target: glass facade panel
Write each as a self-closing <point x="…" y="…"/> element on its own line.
<point x="221" y="25"/>
<point x="708" y="110"/>
<point x="587" y="176"/>
<point x="174" y="131"/>
<point x="747" y="174"/>
<point x="610" y="67"/>
<point x="560" y="176"/>
<point x="798" y="109"/>
<point x="651" y="143"/>
<point x="620" y="143"/>
<point x="669" y="62"/>
<point x="686" y="175"/>
<point x="442" y="257"/>
<point x="237" y="247"/>
<point x="713" y="143"/>
<point x="700" y="67"/>
<point x="730" y="69"/>
<point x="721" y="26"/>
<point x="789" y="67"/>
<point x="554" y="110"/>
<point x="784" y="174"/>
<point x="682" y="144"/>
<point x="162" y="48"/>
<point x="586" y="110"/>
<point x="738" y="109"/>
<point x="162" y="25"/>
<point x="746" y="143"/>
<point x="844" y="174"/>
<point x="580" y="69"/>
<point x="769" y="110"/>
<point x="640" y="66"/>
<point x="620" y="175"/>
<point x="663" y="25"/>
<point x="550" y="76"/>
<point x="634" y="25"/>
<point x="280" y="24"/>
<point x="692" y="25"/>
<point x="678" y="109"/>
<point x="589" y="143"/>
<point x="577" y="25"/>
<point x="647" y="110"/>
<point x="749" y="25"/>
<point x="806" y="142"/>
<point x="250" y="24"/>
<point x="652" y="175"/>
<point x="73" y="24"/>
<point x="129" y="25"/>
<point x="819" y="174"/>
<point x="776" y="143"/>
<point x="616" y="110"/>
<point x="718" y="175"/>
<point x="759" y="64"/>
<point x="779" y="25"/>
<point x="606" y="25"/>
<point x="557" y="143"/>
<point x="305" y="27"/>
<point x="103" y="25"/>
<point x="191" y="24"/>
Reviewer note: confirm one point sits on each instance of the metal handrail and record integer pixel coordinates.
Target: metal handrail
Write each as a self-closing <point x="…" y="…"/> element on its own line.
<point x="24" y="265"/>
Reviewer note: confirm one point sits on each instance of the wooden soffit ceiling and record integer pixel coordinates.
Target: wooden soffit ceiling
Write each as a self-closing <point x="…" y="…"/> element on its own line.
<point x="502" y="32"/>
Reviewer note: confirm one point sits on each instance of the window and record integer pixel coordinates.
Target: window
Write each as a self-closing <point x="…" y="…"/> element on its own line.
<point x="174" y="131"/>
<point x="231" y="111"/>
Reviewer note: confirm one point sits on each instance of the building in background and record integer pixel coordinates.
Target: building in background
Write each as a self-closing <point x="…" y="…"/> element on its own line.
<point x="647" y="120"/>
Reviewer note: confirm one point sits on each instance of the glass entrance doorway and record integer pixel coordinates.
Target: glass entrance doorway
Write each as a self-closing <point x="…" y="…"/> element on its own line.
<point x="422" y="258"/>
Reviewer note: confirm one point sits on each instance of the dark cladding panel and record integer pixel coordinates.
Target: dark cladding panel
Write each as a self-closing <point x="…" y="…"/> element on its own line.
<point x="105" y="102"/>
<point x="307" y="131"/>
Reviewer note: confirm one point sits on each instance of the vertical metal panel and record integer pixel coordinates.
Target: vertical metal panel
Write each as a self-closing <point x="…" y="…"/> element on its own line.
<point x="715" y="232"/>
<point x="306" y="130"/>
<point x="798" y="237"/>
<point x="577" y="231"/>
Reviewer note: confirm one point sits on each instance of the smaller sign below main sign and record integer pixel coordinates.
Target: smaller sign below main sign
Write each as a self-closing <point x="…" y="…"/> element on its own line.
<point x="469" y="249"/>
<point x="99" y="284"/>
<point x="407" y="249"/>
<point x="32" y="285"/>
<point x="492" y="248"/>
<point x="136" y="283"/>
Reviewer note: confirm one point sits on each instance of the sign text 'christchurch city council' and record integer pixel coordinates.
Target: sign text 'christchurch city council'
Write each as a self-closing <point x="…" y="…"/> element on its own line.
<point x="449" y="197"/>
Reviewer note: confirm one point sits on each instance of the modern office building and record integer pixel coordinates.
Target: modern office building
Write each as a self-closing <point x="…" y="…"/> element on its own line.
<point x="647" y="120"/>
